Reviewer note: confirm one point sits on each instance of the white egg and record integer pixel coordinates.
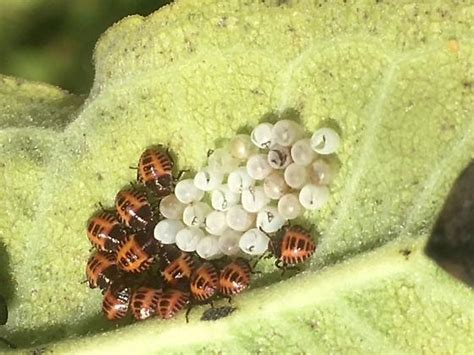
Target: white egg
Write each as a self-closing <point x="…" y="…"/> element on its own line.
<point x="229" y="242"/>
<point x="207" y="179"/>
<point x="194" y="215"/>
<point x="166" y="230"/>
<point x="262" y="135"/>
<point x="314" y="197"/>
<point x="222" y="198"/>
<point x="275" y="186"/>
<point x="296" y="176"/>
<point x="216" y="222"/>
<point x="269" y="219"/>
<point x="289" y="206"/>
<point x="258" y="167"/>
<point x="325" y="141"/>
<point x="239" y="179"/>
<point x="241" y="147"/>
<point x="171" y="207"/>
<point x="302" y="153"/>
<point x="186" y="192"/>
<point x="222" y="161"/>
<point x="208" y="248"/>
<point x="320" y="172"/>
<point x="254" y="242"/>
<point x="286" y="132"/>
<point x="239" y="219"/>
<point x="254" y="199"/>
<point x="188" y="238"/>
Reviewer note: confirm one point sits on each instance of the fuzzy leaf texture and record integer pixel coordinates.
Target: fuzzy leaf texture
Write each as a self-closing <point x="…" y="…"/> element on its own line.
<point x="395" y="78"/>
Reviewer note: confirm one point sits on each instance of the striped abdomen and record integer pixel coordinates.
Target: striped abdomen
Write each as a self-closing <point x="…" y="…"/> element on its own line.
<point x="136" y="253"/>
<point x="116" y="302"/>
<point x="133" y="208"/>
<point x="234" y="277"/>
<point x="101" y="270"/>
<point x="145" y="302"/>
<point x="155" y="170"/>
<point x="105" y="231"/>
<point x="178" y="269"/>
<point x="296" y="246"/>
<point x="204" y="282"/>
<point x="171" y="302"/>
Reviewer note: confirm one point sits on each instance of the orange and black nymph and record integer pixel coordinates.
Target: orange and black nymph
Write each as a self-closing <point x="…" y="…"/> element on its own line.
<point x="144" y="302"/>
<point x="234" y="277"/>
<point x="176" y="266"/>
<point x="204" y="282"/>
<point x="137" y="252"/>
<point x="101" y="270"/>
<point x="105" y="232"/>
<point x="155" y="170"/>
<point x="293" y="245"/>
<point x="171" y="302"/>
<point x="116" y="301"/>
<point x="133" y="208"/>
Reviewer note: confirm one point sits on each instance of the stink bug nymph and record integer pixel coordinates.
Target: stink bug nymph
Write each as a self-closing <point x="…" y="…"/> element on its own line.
<point x="116" y="301"/>
<point x="144" y="302"/>
<point x="234" y="277"/>
<point x="101" y="270"/>
<point x="171" y="302"/>
<point x="155" y="170"/>
<point x="105" y="231"/>
<point x="137" y="252"/>
<point x="293" y="245"/>
<point x="204" y="282"/>
<point x="133" y="208"/>
<point x="175" y="265"/>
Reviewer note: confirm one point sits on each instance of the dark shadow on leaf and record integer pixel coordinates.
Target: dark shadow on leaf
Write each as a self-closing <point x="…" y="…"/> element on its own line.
<point x="451" y="243"/>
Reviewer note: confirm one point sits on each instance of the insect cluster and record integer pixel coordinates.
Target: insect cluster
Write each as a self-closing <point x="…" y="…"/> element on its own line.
<point x="152" y="256"/>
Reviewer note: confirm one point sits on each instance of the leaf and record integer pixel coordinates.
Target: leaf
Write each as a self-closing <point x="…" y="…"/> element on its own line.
<point x="396" y="81"/>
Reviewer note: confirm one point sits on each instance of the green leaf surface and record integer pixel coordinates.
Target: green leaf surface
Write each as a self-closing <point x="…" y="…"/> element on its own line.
<point x="394" y="78"/>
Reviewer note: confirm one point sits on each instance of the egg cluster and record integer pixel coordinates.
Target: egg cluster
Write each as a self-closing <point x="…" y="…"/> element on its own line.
<point x="169" y="242"/>
<point x="249" y="189"/>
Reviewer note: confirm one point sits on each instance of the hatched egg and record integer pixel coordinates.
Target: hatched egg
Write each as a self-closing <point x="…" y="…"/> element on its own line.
<point x="261" y="135"/>
<point x="258" y="167"/>
<point x="194" y="215"/>
<point x="286" y="132"/>
<point x="188" y="238"/>
<point x="239" y="219"/>
<point x="321" y="173"/>
<point x="269" y="219"/>
<point x="296" y="176"/>
<point x="275" y="186"/>
<point x="216" y="222"/>
<point x="325" y="141"/>
<point x="222" y="198"/>
<point x="254" y="199"/>
<point x="289" y="206"/>
<point x="239" y="179"/>
<point x="166" y="230"/>
<point x="279" y="157"/>
<point x="313" y="197"/>
<point x="222" y="161"/>
<point x="186" y="192"/>
<point x="171" y="207"/>
<point x="229" y="242"/>
<point x="302" y="153"/>
<point x="207" y="179"/>
<point x="254" y="242"/>
<point x="241" y="147"/>
<point x="208" y="248"/>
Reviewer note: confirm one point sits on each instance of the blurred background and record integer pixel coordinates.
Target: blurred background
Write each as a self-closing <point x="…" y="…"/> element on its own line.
<point x="52" y="40"/>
